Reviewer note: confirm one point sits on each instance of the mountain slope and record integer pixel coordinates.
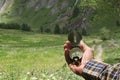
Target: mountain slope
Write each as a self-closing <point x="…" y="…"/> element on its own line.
<point x="47" y="14"/>
<point x="35" y="13"/>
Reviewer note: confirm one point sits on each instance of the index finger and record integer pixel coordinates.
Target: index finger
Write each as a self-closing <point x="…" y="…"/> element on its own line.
<point x="67" y="47"/>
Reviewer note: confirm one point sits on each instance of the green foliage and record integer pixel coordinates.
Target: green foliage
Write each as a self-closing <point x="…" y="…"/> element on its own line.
<point x="112" y="51"/>
<point x="112" y="56"/>
<point x="65" y="30"/>
<point x="57" y="29"/>
<point x="47" y="30"/>
<point x="117" y="23"/>
<point x="103" y="13"/>
<point x="25" y="27"/>
<point x="41" y="29"/>
<point x="9" y="26"/>
<point x="84" y="32"/>
<point x="28" y="55"/>
<point x="16" y="26"/>
<point x="105" y="34"/>
<point x="76" y="12"/>
<point x="106" y="14"/>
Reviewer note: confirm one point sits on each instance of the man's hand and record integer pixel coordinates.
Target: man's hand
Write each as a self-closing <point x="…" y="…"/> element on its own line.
<point x="87" y="56"/>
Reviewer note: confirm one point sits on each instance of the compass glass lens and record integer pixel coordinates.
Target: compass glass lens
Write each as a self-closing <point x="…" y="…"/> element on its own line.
<point x="75" y="52"/>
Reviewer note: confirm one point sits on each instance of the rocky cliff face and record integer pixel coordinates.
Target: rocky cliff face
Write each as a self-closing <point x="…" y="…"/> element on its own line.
<point x="54" y="5"/>
<point x="36" y="13"/>
<point x="5" y="4"/>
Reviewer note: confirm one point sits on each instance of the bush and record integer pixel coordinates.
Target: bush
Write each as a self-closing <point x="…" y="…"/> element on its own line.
<point x="47" y="30"/>
<point x="76" y="12"/>
<point x="10" y="26"/>
<point x="57" y="29"/>
<point x="84" y="32"/>
<point x="2" y="25"/>
<point x="25" y="27"/>
<point x="41" y="29"/>
<point x="16" y="26"/>
<point x="117" y="23"/>
<point x="105" y="34"/>
<point x="13" y="26"/>
<point x="65" y="30"/>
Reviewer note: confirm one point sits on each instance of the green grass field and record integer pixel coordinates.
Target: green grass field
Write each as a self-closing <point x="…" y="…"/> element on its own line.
<point x="35" y="56"/>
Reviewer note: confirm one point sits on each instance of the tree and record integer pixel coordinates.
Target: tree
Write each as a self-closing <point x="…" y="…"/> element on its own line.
<point x="25" y="27"/>
<point x="65" y="30"/>
<point x="107" y="12"/>
<point x="57" y="29"/>
<point x="41" y="29"/>
<point x="47" y="30"/>
<point x="76" y="12"/>
<point x="84" y="32"/>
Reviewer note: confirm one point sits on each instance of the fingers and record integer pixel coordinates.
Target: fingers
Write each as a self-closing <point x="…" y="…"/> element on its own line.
<point x="76" y="69"/>
<point x="83" y="46"/>
<point x="67" y="57"/>
<point x="87" y="53"/>
<point x="67" y="47"/>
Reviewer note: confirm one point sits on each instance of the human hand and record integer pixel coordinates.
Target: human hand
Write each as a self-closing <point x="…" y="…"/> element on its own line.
<point x="87" y="56"/>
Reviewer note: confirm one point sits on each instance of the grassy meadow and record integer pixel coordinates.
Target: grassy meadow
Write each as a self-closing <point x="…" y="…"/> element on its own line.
<point x="35" y="56"/>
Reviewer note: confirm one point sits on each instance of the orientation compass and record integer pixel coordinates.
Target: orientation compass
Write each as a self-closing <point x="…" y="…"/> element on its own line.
<point x="75" y="53"/>
<point x="75" y="37"/>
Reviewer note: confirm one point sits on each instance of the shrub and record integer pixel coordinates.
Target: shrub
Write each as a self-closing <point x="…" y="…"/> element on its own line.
<point x="57" y="29"/>
<point x="41" y="29"/>
<point x="65" y="30"/>
<point x="105" y="34"/>
<point x="25" y="27"/>
<point x="76" y="12"/>
<point x="84" y="32"/>
<point x="2" y="25"/>
<point x="16" y="26"/>
<point x="10" y="26"/>
<point x="117" y="23"/>
<point x="47" y="30"/>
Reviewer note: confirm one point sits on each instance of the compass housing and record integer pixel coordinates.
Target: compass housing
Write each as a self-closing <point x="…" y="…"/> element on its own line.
<point x="75" y="54"/>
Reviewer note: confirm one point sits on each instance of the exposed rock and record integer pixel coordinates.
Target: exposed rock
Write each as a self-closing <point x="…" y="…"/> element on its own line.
<point x="61" y="6"/>
<point x="23" y="8"/>
<point x="54" y="10"/>
<point x="5" y="4"/>
<point x="64" y="4"/>
<point x="51" y="3"/>
<point x="32" y="3"/>
<point x="2" y="3"/>
<point x="40" y="4"/>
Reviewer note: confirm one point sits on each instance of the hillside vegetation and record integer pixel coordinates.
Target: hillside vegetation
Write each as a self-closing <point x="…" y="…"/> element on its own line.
<point x="46" y="14"/>
<point x="36" y="13"/>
